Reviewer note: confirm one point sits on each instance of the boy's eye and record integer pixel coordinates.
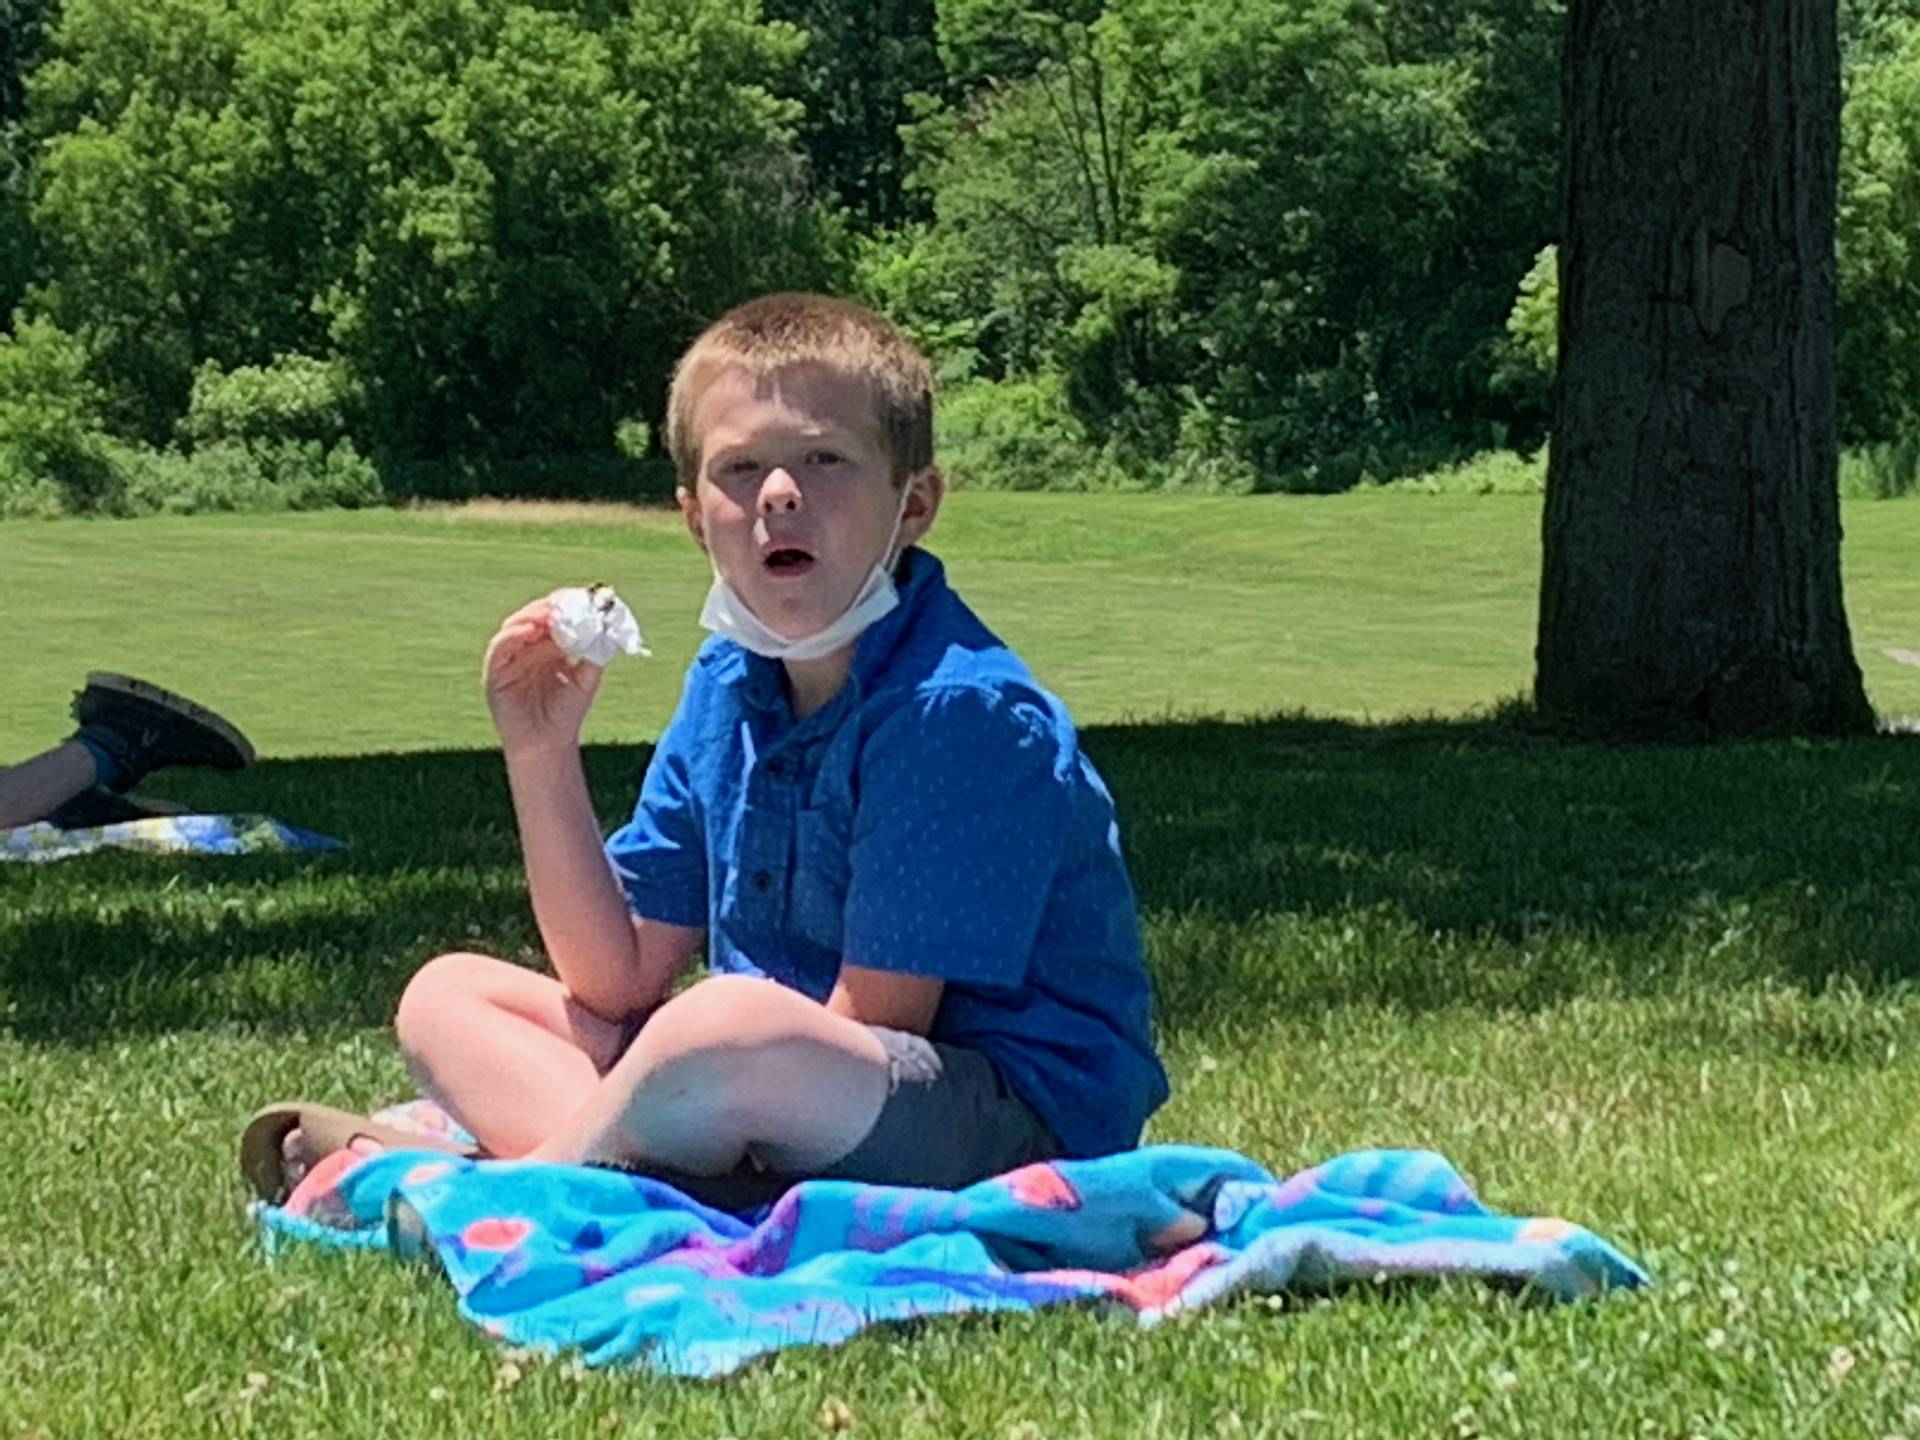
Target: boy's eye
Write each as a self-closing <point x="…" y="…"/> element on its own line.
<point x="822" y="458"/>
<point x="740" y="466"/>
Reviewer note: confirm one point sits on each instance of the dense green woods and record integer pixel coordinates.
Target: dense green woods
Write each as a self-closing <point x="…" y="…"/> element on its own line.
<point x="311" y="251"/>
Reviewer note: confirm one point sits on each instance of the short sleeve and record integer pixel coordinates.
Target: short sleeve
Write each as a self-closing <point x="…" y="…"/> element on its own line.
<point x="660" y="855"/>
<point x="965" y="797"/>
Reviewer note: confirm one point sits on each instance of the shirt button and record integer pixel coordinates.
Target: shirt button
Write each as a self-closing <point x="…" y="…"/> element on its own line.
<point x="762" y="881"/>
<point x="776" y="768"/>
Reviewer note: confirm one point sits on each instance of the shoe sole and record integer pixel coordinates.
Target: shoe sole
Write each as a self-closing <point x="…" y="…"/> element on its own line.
<point x="179" y="705"/>
<point x="92" y="809"/>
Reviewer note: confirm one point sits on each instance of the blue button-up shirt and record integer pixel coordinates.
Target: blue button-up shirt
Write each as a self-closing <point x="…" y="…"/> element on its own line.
<point x="935" y="818"/>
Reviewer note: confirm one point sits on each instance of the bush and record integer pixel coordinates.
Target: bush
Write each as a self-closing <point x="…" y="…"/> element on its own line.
<point x="267" y="476"/>
<point x="1024" y="435"/>
<point x="53" y="451"/>
<point x="1014" y="435"/>
<point x="26" y="494"/>
<point x="1881" y="472"/>
<point x="1496" y="472"/>
<point x="1208" y="472"/>
<point x="137" y="480"/>
<point x="296" y="398"/>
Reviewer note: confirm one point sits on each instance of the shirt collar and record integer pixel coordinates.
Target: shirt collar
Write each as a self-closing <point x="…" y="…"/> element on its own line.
<point x="918" y="576"/>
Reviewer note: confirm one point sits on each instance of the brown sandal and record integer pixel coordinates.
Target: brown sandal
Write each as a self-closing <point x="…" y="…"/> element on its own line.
<point x="327" y="1131"/>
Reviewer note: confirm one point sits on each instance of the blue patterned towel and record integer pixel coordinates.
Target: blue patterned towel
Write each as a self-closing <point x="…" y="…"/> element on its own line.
<point x="628" y="1270"/>
<point x="164" y="835"/>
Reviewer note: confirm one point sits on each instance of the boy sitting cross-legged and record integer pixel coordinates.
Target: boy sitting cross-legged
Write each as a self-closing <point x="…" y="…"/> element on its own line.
<point x="926" y="962"/>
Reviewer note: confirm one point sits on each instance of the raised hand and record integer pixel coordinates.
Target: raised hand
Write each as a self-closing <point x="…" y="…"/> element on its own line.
<point x="538" y="699"/>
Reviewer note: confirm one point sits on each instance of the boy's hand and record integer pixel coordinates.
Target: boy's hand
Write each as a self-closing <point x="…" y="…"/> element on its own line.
<point x="537" y="698"/>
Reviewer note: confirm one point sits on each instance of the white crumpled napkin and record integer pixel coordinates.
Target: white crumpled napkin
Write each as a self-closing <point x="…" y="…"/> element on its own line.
<point x="591" y="623"/>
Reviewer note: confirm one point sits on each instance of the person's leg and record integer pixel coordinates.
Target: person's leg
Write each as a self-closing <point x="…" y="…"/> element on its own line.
<point x="505" y="1050"/>
<point x="35" y="788"/>
<point x="730" y="1069"/>
<point x="128" y="728"/>
<point x="134" y="727"/>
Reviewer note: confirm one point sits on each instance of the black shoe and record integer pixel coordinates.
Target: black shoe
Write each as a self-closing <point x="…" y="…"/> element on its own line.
<point x="145" y="728"/>
<point x="99" y="806"/>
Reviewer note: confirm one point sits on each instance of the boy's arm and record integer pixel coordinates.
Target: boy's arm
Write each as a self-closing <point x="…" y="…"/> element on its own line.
<point x="614" y="963"/>
<point x="884" y="997"/>
<point x="966" y="803"/>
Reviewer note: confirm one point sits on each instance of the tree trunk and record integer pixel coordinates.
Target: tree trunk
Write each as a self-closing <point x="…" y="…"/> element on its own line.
<point x="1691" y="584"/>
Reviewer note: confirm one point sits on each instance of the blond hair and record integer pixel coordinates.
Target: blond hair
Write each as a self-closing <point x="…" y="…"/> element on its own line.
<point x="779" y="332"/>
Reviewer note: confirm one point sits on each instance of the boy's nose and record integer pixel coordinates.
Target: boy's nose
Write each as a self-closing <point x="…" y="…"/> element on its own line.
<point x="779" y="492"/>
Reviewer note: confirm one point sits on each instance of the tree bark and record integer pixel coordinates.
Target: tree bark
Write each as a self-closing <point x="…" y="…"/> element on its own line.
<point x="1691" y="584"/>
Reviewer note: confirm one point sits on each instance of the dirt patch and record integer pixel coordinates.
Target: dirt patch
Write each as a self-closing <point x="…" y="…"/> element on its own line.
<point x="538" y="512"/>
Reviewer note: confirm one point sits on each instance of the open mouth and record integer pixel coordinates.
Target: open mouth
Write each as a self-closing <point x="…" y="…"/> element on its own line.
<point x="789" y="560"/>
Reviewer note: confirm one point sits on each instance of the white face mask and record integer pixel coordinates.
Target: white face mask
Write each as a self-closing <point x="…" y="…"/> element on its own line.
<point x="726" y="613"/>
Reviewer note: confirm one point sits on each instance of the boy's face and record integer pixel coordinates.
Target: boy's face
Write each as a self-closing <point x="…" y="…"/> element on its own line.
<point x="795" y="498"/>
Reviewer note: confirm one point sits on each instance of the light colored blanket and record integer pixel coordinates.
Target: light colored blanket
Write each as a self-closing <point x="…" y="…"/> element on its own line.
<point x="164" y="835"/>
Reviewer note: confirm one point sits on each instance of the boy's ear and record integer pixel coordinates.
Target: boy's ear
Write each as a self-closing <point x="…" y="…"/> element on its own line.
<point x="929" y="488"/>
<point x="690" y="512"/>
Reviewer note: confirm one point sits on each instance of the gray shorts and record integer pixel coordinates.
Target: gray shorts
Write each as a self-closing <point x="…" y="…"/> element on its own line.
<point x="950" y="1118"/>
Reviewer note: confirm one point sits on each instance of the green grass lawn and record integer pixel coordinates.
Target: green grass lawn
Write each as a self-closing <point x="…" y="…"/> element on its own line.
<point x="1667" y="993"/>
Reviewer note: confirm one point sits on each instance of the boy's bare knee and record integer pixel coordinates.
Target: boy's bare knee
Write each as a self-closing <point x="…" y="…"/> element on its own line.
<point x="730" y="1013"/>
<point x="740" y="1054"/>
<point x="710" y="1048"/>
<point x="437" y="987"/>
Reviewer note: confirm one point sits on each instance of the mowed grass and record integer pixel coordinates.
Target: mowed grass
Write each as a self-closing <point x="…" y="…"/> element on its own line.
<point x="1668" y="993"/>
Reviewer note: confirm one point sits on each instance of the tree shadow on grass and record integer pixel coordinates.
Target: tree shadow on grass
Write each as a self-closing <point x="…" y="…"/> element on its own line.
<point x="1301" y="863"/>
<point x="115" y="944"/>
<point x="1284" y="866"/>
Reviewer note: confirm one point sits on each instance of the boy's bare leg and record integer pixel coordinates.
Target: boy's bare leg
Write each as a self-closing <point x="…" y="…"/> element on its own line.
<point x="732" y="1067"/>
<point x="35" y="788"/>
<point x="505" y="1050"/>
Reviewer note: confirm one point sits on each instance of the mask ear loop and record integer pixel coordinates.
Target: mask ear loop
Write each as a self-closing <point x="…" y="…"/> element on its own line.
<point x="891" y="557"/>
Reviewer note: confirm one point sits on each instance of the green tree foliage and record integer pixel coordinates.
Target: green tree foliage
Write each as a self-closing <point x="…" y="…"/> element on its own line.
<point x="503" y="219"/>
<point x="1879" y="240"/>
<point x="1040" y="254"/>
<point x="1526" y="362"/>
<point x="145" y="208"/>
<point x="1246" y="242"/>
<point x="1286" y="228"/>
<point x="862" y="65"/>
<point x="22" y="27"/>
<point x="53" y="452"/>
<point x="1343" y="246"/>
